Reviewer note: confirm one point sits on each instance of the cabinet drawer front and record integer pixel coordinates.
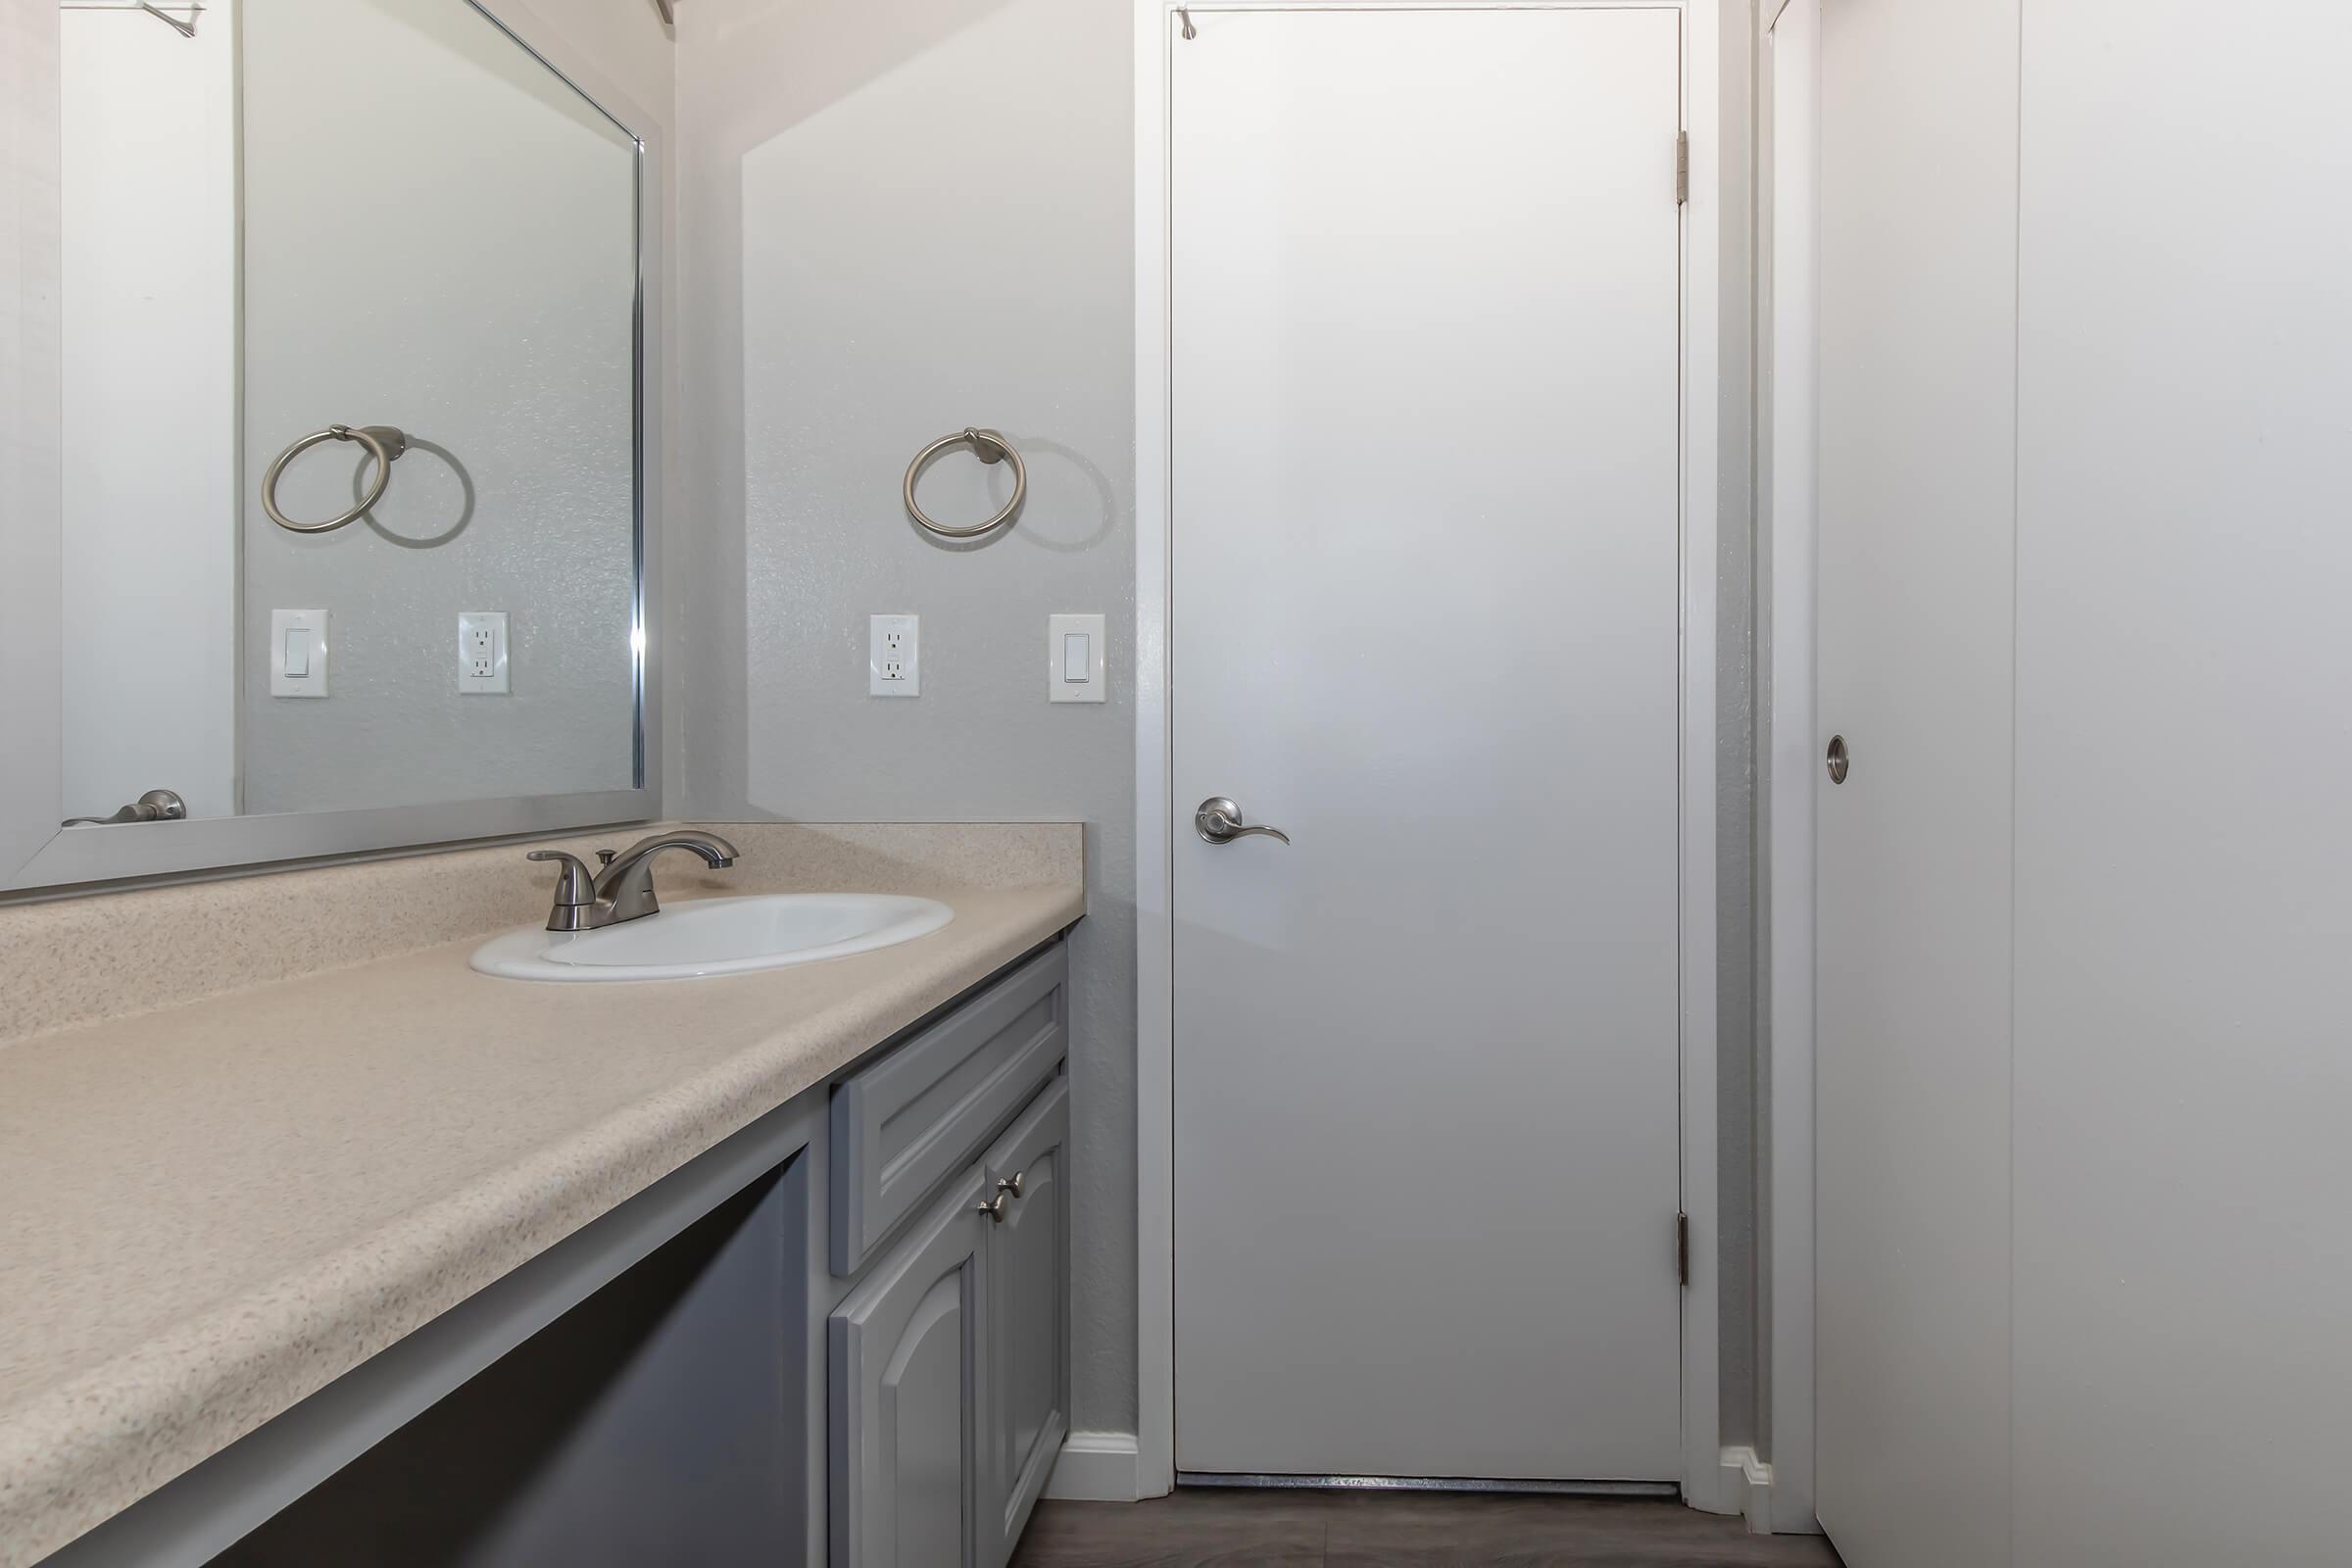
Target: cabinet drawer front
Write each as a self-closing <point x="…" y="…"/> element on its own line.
<point x="919" y="1114"/>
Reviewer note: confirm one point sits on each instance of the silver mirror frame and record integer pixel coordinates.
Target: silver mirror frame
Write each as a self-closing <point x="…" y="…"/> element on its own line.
<point x="37" y="856"/>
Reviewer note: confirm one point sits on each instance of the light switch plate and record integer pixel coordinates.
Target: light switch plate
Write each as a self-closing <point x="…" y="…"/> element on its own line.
<point x="893" y="665"/>
<point x="1074" y="663"/>
<point x="482" y="653"/>
<point x="297" y="653"/>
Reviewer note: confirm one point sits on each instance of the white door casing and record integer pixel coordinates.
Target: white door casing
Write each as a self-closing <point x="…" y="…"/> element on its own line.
<point x="1426" y="587"/>
<point x="1789" y="163"/>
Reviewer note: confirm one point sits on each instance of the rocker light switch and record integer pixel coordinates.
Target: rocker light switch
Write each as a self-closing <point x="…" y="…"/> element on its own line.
<point x="1074" y="660"/>
<point x="297" y="653"/>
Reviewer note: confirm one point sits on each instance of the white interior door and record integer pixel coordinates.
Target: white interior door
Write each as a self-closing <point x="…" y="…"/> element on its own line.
<point x="1916" y="553"/>
<point x="1425" y="403"/>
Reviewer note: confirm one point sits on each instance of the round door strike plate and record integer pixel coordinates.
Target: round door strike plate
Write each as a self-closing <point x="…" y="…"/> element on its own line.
<point x="1836" y="759"/>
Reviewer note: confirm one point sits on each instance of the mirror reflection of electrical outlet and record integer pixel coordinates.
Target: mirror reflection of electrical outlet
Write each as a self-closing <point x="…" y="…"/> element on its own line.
<point x="894" y="655"/>
<point x="481" y="653"/>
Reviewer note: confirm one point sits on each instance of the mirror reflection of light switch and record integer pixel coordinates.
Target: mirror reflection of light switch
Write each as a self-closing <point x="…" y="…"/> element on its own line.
<point x="298" y="653"/>
<point x="1074" y="660"/>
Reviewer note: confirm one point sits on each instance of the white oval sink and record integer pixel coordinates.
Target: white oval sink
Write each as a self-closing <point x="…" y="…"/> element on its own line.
<point x="716" y="935"/>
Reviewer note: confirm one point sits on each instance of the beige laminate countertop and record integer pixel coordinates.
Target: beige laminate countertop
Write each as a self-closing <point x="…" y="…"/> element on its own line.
<point x="211" y="1211"/>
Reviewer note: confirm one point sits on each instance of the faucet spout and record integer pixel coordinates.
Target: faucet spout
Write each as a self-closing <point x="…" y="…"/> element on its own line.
<point x="586" y="900"/>
<point x="626" y="884"/>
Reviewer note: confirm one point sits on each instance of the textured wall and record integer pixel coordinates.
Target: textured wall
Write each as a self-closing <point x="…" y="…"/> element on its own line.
<point x="899" y="217"/>
<point x="443" y="242"/>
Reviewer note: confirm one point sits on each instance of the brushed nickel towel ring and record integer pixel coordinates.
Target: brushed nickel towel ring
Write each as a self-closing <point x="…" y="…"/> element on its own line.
<point x="990" y="447"/>
<point x="384" y="443"/>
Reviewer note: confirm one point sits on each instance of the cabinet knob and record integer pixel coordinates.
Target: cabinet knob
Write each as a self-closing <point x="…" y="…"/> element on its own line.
<point x="1011" y="1184"/>
<point x="994" y="1208"/>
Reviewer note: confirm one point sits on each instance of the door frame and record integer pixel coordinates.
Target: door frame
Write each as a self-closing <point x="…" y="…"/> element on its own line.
<point x="1105" y="1471"/>
<point x="1787" y="175"/>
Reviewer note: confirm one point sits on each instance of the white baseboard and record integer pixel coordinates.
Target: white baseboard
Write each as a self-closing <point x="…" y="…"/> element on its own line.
<point x="1745" y="1489"/>
<point x="1096" y="1467"/>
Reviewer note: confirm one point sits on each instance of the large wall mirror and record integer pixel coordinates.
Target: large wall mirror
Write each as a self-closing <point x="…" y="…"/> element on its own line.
<point x="351" y="485"/>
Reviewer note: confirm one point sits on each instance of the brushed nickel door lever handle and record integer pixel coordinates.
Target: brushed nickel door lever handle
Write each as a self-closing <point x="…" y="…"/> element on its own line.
<point x="1220" y="822"/>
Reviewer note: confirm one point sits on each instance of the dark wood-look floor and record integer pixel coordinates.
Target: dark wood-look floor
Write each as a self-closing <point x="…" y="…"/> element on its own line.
<point x="1247" y="1527"/>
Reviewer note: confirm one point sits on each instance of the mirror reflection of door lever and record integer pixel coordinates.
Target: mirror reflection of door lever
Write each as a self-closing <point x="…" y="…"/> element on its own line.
<point x="156" y="805"/>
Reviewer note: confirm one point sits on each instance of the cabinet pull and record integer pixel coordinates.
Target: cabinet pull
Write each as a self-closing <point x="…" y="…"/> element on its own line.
<point x="994" y="1208"/>
<point x="1011" y="1184"/>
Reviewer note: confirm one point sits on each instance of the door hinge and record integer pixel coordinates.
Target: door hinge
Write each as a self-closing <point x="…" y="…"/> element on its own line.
<point x="1681" y="1249"/>
<point x="1682" y="166"/>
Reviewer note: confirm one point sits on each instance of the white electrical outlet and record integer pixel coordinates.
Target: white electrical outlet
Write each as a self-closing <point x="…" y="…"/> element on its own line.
<point x="894" y="655"/>
<point x="481" y="653"/>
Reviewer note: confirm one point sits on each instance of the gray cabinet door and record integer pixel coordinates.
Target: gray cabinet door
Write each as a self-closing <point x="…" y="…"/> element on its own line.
<point x="1026" y="1414"/>
<point x="907" y="1381"/>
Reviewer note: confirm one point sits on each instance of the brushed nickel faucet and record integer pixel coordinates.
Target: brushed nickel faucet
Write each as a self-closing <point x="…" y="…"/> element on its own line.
<point x="623" y="890"/>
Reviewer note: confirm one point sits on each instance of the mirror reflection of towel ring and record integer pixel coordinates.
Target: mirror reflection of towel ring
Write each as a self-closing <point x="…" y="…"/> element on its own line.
<point x="384" y="443"/>
<point x="990" y="447"/>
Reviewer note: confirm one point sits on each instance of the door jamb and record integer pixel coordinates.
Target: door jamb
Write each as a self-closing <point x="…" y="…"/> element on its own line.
<point x="1786" y="170"/>
<point x="1155" y="1426"/>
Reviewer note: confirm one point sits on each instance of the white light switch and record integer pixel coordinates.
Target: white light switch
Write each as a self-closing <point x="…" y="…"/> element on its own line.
<point x="1074" y="660"/>
<point x="482" y="653"/>
<point x="298" y="653"/>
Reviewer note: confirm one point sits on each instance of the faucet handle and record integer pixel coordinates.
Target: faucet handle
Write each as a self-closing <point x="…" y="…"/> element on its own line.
<point x="576" y="884"/>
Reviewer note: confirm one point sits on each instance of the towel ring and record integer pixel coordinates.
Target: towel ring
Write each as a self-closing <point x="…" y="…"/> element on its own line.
<point x="384" y="443"/>
<point x="990" y="447"/>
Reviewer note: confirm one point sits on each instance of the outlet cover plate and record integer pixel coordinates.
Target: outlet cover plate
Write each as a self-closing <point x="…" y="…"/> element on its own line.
<point x="482" y="653"/>
<point x="894" y="655"/>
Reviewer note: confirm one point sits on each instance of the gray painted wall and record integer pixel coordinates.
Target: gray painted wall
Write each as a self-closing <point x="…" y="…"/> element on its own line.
<point x="900" y="216"/>
<point x="475" y="289"/>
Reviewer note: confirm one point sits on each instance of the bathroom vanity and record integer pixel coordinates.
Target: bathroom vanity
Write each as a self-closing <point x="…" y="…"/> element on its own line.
<point x="859" y="1355"/>
<point x="401" y="1263"/>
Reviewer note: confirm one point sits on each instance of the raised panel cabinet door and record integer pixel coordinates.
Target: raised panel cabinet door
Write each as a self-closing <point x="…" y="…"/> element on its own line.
<point x="1028" y="1328"/>
<point x="906" y="1381"/>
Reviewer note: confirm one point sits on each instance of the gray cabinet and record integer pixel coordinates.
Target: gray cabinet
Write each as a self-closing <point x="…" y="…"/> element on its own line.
<point x="949" y="1363"/>
<point x="919" y="1114"/>
<point x="906" y="1380"/>
<point x="1027" y="1328"/>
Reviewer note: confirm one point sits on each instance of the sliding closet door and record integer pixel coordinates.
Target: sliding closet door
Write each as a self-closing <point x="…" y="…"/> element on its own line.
<point x="1917" y="248"/>
<point x="2183" y="784"/>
